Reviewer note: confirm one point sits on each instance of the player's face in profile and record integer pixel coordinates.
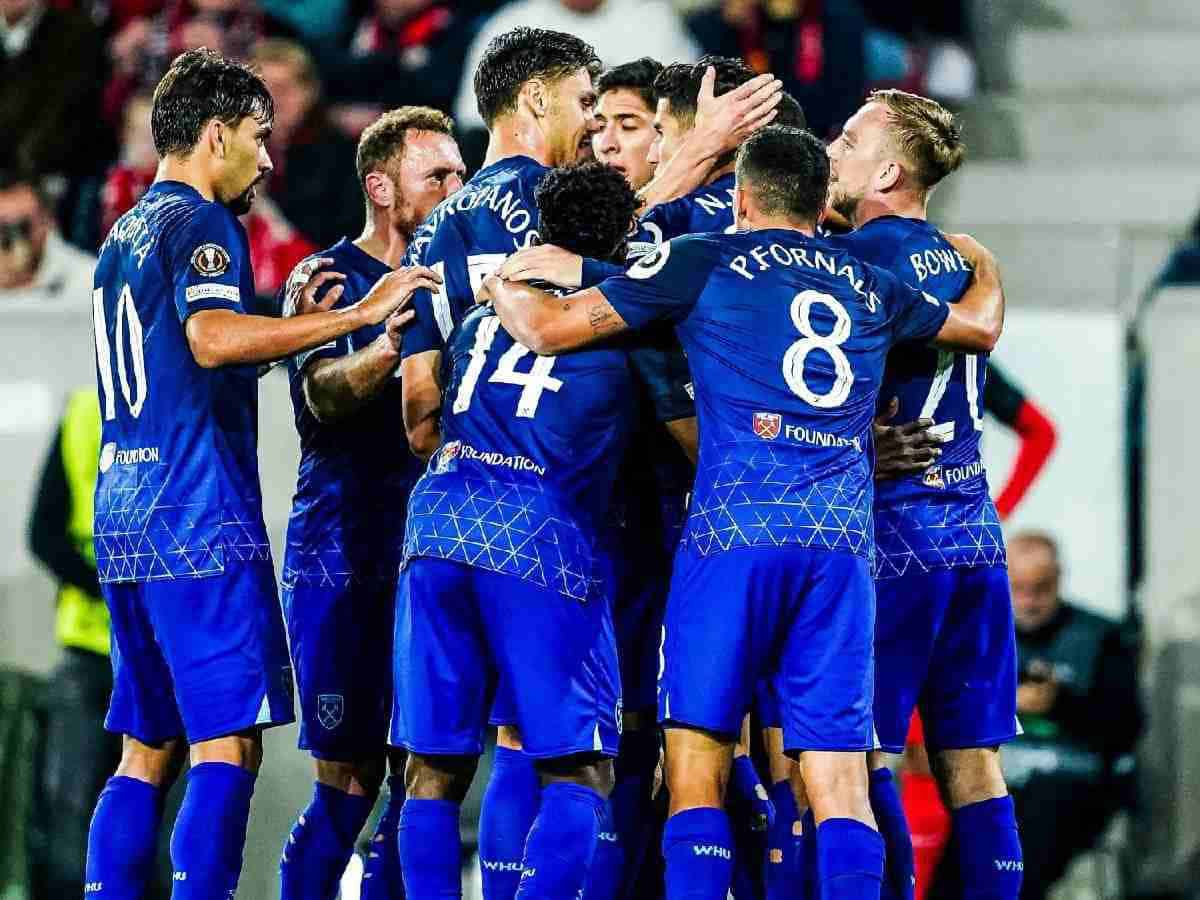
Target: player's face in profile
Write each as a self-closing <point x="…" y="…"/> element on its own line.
<point x="571" y="119"/>
<point x="856" y="157"/>
<point x="670" y="133"/>
<point x="625" y="136"/>
<point x="430" y="170"/>
<point x="246" y="163"/>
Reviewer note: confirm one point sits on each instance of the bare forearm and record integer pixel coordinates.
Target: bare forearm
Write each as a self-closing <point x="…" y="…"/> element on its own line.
<point x="977" y="319"/>
<point x="225" y="338"/>
<point x="338" y="387"/>
<point x="547" y="324"/>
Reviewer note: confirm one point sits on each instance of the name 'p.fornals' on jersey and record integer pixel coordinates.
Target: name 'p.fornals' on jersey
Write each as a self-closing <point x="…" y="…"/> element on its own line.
<point x="787" y="337"/>
<point x="523" y="481"/>
<point x="178" y="492"/>
<point x="943" y="517"/>
<point x="705" y="210"/>
<point x="352" y="486"/>
<point x="466" y="238"/>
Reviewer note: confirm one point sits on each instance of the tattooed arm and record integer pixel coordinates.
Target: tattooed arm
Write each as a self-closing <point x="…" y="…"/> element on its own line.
<point x="549" y="325"/>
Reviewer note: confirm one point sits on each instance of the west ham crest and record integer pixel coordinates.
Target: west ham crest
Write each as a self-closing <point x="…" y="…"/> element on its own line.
<point x="766" y="425"/>
<point x="330" y="709"/>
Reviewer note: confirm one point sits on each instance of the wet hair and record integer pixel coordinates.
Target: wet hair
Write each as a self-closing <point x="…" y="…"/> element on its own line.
<point x="679" y="83"/>
<point x="927" y="133"/>
<point x="515" y="57"/>
<point x="383" y="140"/>
<point x="200" y="86"/>
<point x="786" y="170"/>
<point x="637" y="76"/>
<point x="587" y="209"/>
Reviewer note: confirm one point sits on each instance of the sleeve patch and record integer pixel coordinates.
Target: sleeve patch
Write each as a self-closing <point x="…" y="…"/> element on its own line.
<point x="652" y="263"/>
<point x="213" y="292"/>
<point x="211" y="260"/>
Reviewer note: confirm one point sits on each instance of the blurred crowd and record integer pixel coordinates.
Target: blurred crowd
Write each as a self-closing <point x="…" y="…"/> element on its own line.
<point x="77" y="75"/>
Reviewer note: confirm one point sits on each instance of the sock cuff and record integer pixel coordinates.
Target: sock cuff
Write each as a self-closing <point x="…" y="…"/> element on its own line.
<point x="432" y="809"/>
<point x="125" y="783"/>
<point x="701" y="824"/>
<point x="998" y="810"/>
<point x="572" y="791"/>
<point x="507" y="758"/>
<point x="850" y="847"/>
<point x="881" y="776"/>
<point x="226" y="773"/>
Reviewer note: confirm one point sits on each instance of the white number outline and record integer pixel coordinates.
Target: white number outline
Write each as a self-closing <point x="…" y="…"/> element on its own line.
<point x="797" y="353"/>
<point x="135" y="393"/>
<point x="532" y="383"/>
<point x="941" y="383"/>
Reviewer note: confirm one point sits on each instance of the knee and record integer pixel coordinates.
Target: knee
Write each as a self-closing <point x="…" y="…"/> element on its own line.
<point x="361" y="778"/>
<point x="837" y="785"/>
<point x="439" y="777"/>
<point x="244" y="750"/>
<point x="969" y="776"/>
<point x="154" y="764"/>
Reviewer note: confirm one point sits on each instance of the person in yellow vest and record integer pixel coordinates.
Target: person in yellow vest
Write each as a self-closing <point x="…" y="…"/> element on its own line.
<point x="79" y="753"/>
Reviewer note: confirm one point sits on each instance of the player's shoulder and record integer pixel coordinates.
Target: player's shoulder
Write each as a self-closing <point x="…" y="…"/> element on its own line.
<point x="695" y="253"/>
<point x="205" y="232"/>
<point x="713" y="200"/>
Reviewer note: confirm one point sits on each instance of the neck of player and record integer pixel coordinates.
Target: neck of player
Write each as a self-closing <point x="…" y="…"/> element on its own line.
<point x="517" y="135"/>
<point x="381" y="239"/>
<point x="904" y="204"/>
<point x="186" y="171"/>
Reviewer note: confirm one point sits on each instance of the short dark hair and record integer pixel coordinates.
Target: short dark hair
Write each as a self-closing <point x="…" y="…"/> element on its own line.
<point x="679" y="83"/>
<point x="14" y="179"/>
<point x="789" y="112"/>
<point x="200" y="86"/>
<point x="513" y="58"/>
<point x="786" y="170"/>
<point x="637" y="76"/>
<point x="587" y="209"/>
<point x="383" y="139"/>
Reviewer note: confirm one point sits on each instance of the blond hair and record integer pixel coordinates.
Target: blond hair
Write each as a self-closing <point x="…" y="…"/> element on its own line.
<point x="284" y="52"/>
<point x="925" y="132"/>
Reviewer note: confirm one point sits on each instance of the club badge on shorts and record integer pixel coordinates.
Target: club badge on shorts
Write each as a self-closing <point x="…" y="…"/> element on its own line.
<point x="330" y="709"/>
<point x="210" y="260"/>
<point x="767" y="425"/>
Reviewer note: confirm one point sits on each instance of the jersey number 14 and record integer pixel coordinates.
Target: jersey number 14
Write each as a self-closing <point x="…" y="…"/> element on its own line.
<point x="532" y="383"/>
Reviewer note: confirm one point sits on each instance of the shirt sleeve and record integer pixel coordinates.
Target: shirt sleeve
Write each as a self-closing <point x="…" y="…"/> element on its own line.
<point x="662" y="367"/>
<point x="664" y="285"/>
<point x="208" y="263"/>
<point x="916" y="315"/>
<point x="660" y="224"/>
<point x="289" y="294"/>
<point x="438" y="311"/>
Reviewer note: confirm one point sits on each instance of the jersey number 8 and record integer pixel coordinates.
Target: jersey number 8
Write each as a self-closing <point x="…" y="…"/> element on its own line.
<point x="132" y="389"/>
<point x="797" y="353"/>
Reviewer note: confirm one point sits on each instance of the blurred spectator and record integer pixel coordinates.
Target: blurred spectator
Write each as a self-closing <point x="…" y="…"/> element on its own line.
<point x="1080" y="708"/>
<point x="1016" y="410"/>
<point x="315" y="21"/>
<point x="51" y="69"/>
<point x="80" y="754"/>
<point x="314" y="184"/>
<point x="134" y="172"/>
<point x="921" y="46"/>
<point x="37" y="267"/>
<point x="815" y="46"/>
<point x="403" y="52"/>
<point x="620" y="30"/>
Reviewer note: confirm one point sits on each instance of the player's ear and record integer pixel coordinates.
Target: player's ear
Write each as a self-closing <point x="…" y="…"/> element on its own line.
<point x="889" y="175"/>
<point x="741" y="207"/>
<point x="380" y="189"/>
<point x="536" y="93"/>
<point x="215" y="134"/>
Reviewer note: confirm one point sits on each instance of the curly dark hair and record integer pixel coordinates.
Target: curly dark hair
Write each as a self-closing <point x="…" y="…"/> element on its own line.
<point x="786" y="170"/>
<point x="587" y="209"/>
<point x="637" y="76"/>
<point x="513" y="58"/>
<point x="200" y="86"/>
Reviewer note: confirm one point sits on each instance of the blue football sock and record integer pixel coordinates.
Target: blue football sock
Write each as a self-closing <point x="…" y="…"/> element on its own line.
<point x="382" y="879"/>
<point x="604" y="879"/>
<point x="321" y="843"/>
<point x="561" y="843"/>
<point x="698" y="849"/>
<point x="631" y="805"/>
<point x="899" y="881"/>
<point x="849" y="860"/>
<point x="989" y="850"/>
<point x="210" y="832"/>
<point x="782" y="872"/>
<point x="123" y="838"/>
<point x="808" y="856"/>
<point x="430" y="850"/>
<point x="748" y="799"/>
<point x="510" y="804"/>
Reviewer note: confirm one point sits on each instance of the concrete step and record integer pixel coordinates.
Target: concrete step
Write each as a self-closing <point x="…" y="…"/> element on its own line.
<point x="1113" y="14"/>
<point x="1119" y="130"/>
<point x="1130" y="63"/>
<point x="1051" y="194"/>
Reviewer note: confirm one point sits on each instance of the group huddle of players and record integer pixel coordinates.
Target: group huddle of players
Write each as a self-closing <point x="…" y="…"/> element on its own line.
<point x="587" y="451"/>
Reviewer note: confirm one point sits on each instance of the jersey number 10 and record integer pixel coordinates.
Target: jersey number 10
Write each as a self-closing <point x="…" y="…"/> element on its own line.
<point x="133" y="384"/>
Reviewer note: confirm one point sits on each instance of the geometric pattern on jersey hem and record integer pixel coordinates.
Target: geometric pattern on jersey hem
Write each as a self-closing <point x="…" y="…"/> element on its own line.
<point x="500" y="527"/>
<point x="921" y="536"/>
<point x="761" y="502"/>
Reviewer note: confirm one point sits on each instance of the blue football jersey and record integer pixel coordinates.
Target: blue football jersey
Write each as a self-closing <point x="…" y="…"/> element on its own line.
<point x="943" y="517"/>
<point x="466" y="238"/>
<point x="356" y="472"/>
<point x="178" y="492"/>
<point x="523" y="481"/>
<point x="703" y="211"/>
<point x="787" y="337"/>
